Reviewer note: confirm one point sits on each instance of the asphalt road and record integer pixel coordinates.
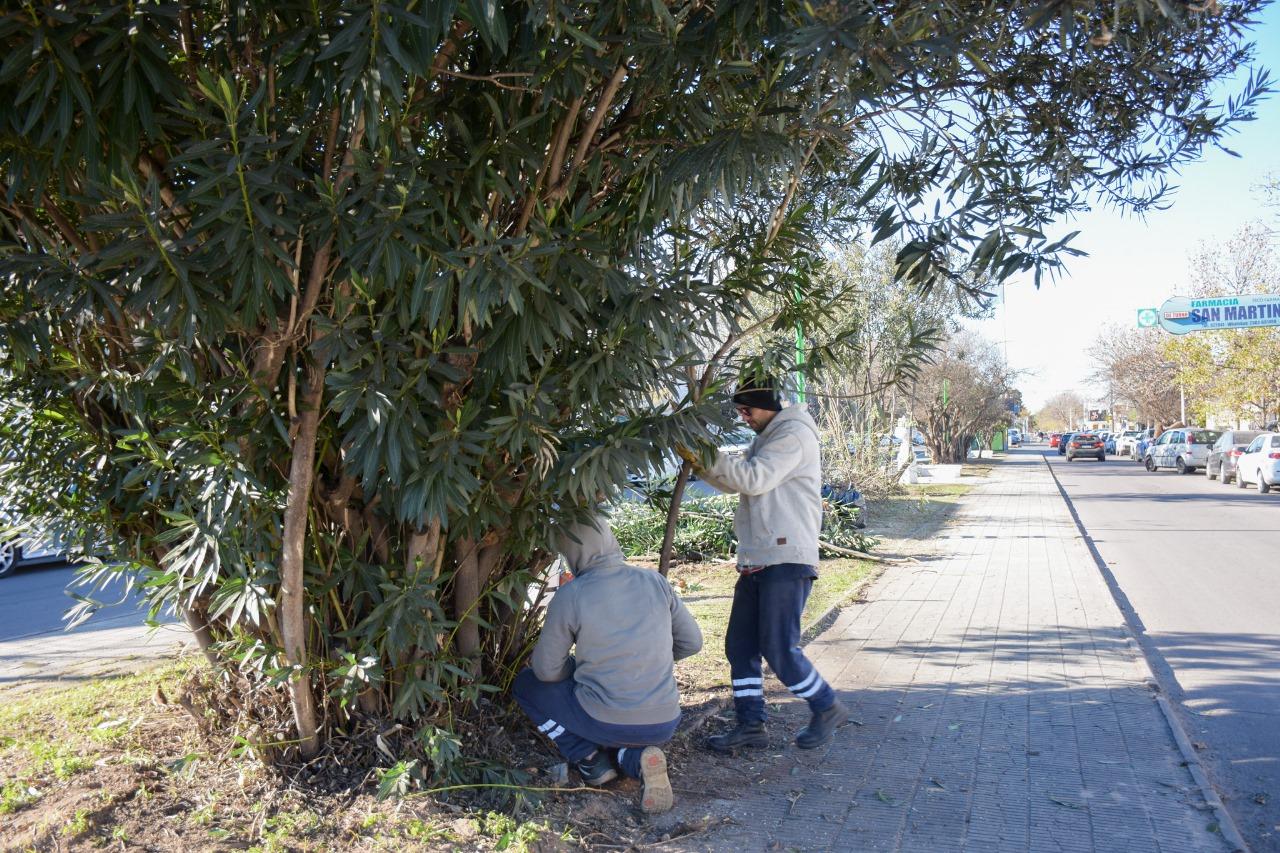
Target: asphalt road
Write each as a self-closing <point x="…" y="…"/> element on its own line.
<point x="35" y="648"/>
<point x="33" y="599"/>
<point x="1199" y="566"/>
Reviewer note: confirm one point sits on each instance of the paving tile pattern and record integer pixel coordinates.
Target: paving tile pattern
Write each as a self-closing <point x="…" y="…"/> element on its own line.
<point x="1000" y="705"/>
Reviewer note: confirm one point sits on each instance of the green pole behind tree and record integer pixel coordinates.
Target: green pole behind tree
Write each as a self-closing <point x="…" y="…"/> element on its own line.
<point x="800" y="389"/>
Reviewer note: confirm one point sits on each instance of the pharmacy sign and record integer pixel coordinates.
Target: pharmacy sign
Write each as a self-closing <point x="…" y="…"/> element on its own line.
<point x="1182" y="314"/>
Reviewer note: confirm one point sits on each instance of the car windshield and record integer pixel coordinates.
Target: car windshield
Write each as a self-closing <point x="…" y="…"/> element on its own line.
<point x="1203" y="436"/>
<point x="1132" y="432"/>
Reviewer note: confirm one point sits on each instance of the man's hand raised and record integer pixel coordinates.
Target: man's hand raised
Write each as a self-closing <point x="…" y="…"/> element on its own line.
<point x="687" y="455"/>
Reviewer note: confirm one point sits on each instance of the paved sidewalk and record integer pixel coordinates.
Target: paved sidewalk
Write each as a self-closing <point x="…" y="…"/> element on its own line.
<point x="1000" y="705"/>
<point x="114" y="647"/>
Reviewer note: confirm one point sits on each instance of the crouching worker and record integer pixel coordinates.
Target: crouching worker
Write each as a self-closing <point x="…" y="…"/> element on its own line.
<point x="611" y="704"/>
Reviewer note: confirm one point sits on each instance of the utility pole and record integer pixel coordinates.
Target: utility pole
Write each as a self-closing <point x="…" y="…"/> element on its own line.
<point x="1111" y="404"/>
<point x="1182" y="398"/>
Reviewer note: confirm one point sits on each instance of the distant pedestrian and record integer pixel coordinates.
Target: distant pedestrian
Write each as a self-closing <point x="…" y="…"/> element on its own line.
<point x="777" y="523"/>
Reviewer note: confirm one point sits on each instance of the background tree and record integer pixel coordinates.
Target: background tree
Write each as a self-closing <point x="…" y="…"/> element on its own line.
<point x="891" y="330"/>
<point x="1061" y="411"/>
<point x="1135" y="368"/>
<point x="962" y="394"/>
<point x="1232" y="373"/>
<point x="316" y="315"/>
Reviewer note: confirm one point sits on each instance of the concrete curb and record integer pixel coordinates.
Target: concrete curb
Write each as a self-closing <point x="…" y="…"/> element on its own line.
<point x="828" y="617"/>
<point x="1226" y="824"/>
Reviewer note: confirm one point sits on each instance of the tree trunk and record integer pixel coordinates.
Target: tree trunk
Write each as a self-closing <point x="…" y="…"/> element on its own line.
<point x="198" y="624"/>
<point x="673" y="518"/>
<point x="466" y="594"/>
<point x="423" y="545"/>
<point x="293" y="622"/>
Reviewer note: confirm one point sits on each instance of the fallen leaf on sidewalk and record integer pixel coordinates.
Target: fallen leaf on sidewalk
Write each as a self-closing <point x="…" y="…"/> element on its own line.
<point x="1066" y="803"/>
<point x="885" y="798"/>
<point x="937" y="784"/>
<point x="898" y="719"/>
<point x="954" y="726"/>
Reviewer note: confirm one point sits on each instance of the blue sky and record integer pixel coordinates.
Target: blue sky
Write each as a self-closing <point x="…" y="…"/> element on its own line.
<point x="1139" y="262"/>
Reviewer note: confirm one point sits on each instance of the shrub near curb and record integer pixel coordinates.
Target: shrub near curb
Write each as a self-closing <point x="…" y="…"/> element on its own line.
<point x="705" y="528"/>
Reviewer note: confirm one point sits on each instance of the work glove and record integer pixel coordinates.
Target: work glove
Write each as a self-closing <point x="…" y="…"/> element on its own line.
<point x="686" y="454"/>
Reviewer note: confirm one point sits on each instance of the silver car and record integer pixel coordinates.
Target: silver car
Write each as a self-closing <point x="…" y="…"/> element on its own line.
<point x="1185" y="449"/>
<point x="1226" y="451"/>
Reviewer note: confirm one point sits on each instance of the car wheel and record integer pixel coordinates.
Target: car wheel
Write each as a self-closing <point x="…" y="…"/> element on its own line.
<point x="1182" y="466"/>
<point x="1263" y="488"/>
<point x="1150" y="463"/>
<point x="1102" y="457"/>
<point x="1224" y="478"/>
<point x="1208" y="472"/>
<point x="9" y="556"/>
<point x="1240" y="483"/>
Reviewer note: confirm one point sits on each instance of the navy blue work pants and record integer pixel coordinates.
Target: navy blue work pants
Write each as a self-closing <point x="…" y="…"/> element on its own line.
<point x="556" y="712"/>
<point x="765" y="624"/>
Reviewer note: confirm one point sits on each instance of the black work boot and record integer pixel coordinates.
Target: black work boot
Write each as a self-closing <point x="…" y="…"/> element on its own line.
<point x="596" y="769"/>
<point x="740" y="736"/>
<point x="822" y="725"/>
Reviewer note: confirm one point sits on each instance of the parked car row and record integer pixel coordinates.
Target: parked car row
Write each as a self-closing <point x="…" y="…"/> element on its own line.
<point x="1245" y="457"/>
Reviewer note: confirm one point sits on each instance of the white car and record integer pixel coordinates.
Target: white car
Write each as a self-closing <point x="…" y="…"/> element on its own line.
<point x="1126" y="441"/>
<point x="1260" y="463"/>
<point x="26" y="552"/>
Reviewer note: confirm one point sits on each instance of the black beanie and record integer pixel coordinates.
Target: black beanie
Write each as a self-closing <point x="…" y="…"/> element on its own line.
<point x="758" y="393"/>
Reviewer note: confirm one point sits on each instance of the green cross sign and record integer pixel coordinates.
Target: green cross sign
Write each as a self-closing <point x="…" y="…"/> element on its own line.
<point x="1148" y="318"/>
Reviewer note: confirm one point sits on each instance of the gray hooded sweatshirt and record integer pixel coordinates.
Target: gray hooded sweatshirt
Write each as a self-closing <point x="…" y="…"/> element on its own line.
<point x="779" y="514"/>
<point x="628" y="625"/>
